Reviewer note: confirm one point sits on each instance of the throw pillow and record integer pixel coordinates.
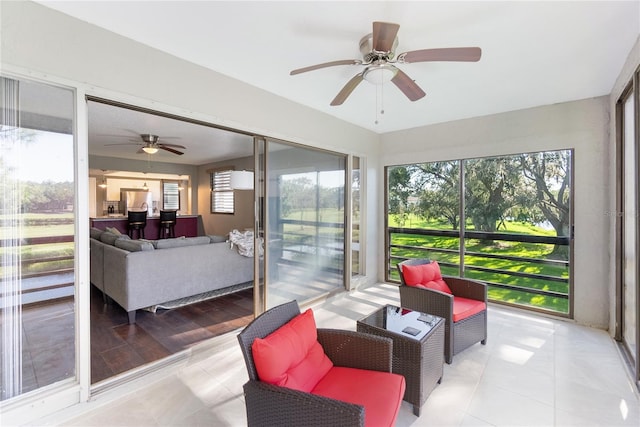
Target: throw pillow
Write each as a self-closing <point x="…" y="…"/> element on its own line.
<point x="109" y="238"/>
<point x="113" y="230"/>
<point x="292" y="356"/>
<point x="427" y="275"/>
<point x="95" y="233"/>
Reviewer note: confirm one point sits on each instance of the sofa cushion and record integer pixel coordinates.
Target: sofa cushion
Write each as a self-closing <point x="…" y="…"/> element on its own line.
<point x="109" y="238"/>
<point x="427" y="275"/>
<point x="217" y="239"/>
<point x="95" y="233"/>
<point x="292" y="356"/>
<point x="113" y="230"/>
<point x="179" y="242"/>
<point x="153" y="242"/>
<point x="133" y="245"/>
<point x="380" y="393"/>
<point x="465" y="307"/>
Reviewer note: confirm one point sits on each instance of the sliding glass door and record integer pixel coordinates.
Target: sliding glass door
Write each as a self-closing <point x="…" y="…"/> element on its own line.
<point x="37" y="217"/>
<point x="628" y="268"/>
<point x="304" y="224"/>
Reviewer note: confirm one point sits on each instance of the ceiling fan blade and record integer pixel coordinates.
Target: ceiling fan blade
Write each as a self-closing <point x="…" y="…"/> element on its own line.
<point x="123" y="143"/>
<point x="162" y="144"/>
<point x="407" y="86"/>
<point x="325" y="65"/>
<point x="171" y="150"/>
<point x="347" y="89"/>
<point x="384" y="34"/>
<point x="468" y="54"/>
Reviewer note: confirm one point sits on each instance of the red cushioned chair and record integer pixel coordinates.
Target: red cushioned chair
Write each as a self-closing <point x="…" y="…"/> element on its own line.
<point x="303" y="376"/>
<point x="461" y="302"/>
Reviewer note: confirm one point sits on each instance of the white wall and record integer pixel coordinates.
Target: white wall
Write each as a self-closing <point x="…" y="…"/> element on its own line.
<point x="42" y="44"/>
<point x="222" y="224"/>
<point x="580" y="125"/>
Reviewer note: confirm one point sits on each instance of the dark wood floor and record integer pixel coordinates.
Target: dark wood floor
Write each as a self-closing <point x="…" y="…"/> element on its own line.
<point x="116" y="346"/>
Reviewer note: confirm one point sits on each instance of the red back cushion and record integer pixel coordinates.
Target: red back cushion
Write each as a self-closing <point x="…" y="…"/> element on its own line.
<point x="439" y="285"/>
<point x="427" y="275"/>
<point x="292" y="356"/>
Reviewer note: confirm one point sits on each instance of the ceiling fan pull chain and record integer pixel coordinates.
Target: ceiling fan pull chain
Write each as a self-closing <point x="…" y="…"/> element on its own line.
<point x="376" y="107"/>
<point x="379" y="101"/>
<point x="382" y="98"/>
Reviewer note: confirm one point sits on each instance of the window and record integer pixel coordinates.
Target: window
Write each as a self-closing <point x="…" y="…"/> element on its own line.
<point x="505" y="221"/>
<point x="170" y="196"/>
<point x="222" y="199"/>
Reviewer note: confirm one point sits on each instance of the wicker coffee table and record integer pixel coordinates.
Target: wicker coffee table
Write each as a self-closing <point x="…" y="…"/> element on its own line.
<point x="418" y="348"/>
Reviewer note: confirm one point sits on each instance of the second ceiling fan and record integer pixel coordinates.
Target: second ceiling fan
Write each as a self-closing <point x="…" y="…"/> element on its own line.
<point x="378" y="52"/>
<point x="150" y="144"/>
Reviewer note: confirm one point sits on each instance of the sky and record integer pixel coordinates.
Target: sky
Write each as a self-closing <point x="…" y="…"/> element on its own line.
<point x="45" y="157"/>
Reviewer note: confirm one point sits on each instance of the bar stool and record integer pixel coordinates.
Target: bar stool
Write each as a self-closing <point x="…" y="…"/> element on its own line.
<point x="137" y="221"/>
<point x="167" y="225"/>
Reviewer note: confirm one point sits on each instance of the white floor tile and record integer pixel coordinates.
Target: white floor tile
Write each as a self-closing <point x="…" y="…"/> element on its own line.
<point x="534" y="370"/>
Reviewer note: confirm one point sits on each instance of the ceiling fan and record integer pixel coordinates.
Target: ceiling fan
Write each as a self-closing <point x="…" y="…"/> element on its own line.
<point x="378" y="51"/>
<point x="150" y="145"/>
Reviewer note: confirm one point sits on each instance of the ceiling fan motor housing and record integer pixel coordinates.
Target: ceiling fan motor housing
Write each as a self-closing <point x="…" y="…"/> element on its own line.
<point x="369" y="55"/>
<point x="149" y="138"/>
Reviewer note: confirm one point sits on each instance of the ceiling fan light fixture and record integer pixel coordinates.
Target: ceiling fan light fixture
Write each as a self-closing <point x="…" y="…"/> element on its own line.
<point x="379" y="74"/>
<point x="150" y="150"/>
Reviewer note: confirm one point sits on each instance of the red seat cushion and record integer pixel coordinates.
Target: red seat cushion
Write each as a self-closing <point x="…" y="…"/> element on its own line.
<point x="465" y="307"/>
<point x="292" y="356"/>
<point x="426" y="275"/>
<point x="380" y="393"/>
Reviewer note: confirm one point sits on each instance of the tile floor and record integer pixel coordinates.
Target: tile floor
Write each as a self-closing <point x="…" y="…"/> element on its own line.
<point x="533" y="371"/>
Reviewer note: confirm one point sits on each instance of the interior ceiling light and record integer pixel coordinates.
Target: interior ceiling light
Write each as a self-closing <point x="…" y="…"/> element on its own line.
<point x="379" y="73"/>
<point x="144" y="187"/>
<point x="150" y="150"/>
<point x="103" y="184"/>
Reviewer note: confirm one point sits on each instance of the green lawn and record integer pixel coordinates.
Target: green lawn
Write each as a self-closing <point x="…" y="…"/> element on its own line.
<point x="428" y="246"/>
<point x="41" y="225"/>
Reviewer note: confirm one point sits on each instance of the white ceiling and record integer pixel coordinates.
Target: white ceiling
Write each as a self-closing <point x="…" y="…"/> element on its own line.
<point x="109" y="125"/>
<point x="533" y="53"/>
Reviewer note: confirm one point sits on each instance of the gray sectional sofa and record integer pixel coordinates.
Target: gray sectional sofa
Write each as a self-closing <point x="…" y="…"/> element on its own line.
<point x="139" y="274"/>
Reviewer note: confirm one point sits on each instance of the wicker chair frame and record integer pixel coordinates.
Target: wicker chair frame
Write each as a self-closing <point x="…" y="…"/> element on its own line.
<point x="270" y="405"/>
<point x="457" y="335"/>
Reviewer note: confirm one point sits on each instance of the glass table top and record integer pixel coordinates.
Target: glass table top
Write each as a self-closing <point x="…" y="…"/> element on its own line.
<point x="402" y="321"/>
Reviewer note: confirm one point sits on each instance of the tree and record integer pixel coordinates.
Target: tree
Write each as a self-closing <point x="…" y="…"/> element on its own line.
<point x="399" y="191"/>
<point x="297" y="195"/>
<point x="439" y="194"/>
<point x="491" y="189"/>
<point x="550" y="174"/>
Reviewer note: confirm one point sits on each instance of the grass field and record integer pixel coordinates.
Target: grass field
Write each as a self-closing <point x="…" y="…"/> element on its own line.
<point x="446" y="250"/>
<point x="40" y="225"/>
<point x="443" y="249"/>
